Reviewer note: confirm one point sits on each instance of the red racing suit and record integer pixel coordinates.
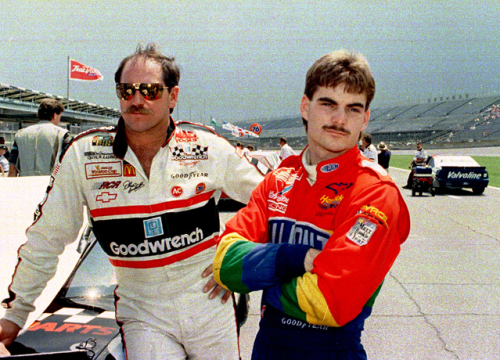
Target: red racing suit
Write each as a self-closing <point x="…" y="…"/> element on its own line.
<point x="353" y="213"/>
<point x="153" y="229"/>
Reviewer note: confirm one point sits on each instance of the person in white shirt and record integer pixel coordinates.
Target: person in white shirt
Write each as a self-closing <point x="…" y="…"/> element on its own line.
<point x="4" y="163"/>
<point x="286" y="150"/>
<point x="369" y="151"/>
<point x="420" y="158"/>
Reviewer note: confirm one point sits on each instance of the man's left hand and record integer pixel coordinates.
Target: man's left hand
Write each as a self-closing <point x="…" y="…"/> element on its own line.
<point x="212" y="285"/>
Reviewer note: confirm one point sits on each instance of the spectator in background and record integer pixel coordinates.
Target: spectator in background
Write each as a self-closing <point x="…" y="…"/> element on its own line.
<point x="368" y="149"/>
<point x="7" y="153"/>
<point x="37" y="147"/>
<point x="384" y="156"/>
<point x="419" y="159"/>
<point x="4" y="163"/>
<point x="286" y="150"/>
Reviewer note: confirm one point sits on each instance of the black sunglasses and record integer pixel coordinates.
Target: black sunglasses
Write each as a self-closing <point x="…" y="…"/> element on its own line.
<point x="126" y="91"/>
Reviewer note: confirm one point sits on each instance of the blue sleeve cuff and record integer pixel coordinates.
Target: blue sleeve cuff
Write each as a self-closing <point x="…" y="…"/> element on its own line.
<point x="290" y="261"/>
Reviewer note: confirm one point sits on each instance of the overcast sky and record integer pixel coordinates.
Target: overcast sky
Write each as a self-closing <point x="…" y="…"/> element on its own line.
<point x="247" y="59"/>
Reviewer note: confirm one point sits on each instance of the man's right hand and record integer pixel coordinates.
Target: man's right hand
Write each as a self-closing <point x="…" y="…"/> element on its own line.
<point x="8" y="333"/>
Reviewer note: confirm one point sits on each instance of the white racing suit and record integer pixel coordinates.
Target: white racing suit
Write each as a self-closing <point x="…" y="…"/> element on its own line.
<point x="159" y="234"/>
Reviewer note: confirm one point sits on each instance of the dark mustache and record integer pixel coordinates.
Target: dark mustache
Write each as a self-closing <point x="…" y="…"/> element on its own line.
<point x="337" y="128"/>
<point x="138" y="110"/>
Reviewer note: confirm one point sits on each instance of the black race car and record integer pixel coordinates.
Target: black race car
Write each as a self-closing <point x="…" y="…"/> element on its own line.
<point x="80" y="322"/>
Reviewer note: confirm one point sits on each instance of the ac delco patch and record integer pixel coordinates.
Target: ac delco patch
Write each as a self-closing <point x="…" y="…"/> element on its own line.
<point x="362" y="231"/>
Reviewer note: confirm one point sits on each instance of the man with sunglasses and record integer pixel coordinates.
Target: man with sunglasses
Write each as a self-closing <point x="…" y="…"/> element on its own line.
<point x="151" y="187"/>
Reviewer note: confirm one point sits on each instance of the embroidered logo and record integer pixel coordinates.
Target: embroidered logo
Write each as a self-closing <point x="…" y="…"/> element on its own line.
<point x="361" y="232"/>
<point x="153" y="227"/>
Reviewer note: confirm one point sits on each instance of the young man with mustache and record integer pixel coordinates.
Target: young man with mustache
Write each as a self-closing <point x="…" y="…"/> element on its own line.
<point x="321" y="232"/>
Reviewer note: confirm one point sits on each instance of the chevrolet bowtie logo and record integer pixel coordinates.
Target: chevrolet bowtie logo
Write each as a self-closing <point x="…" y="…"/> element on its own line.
<point x="106" y="197"/>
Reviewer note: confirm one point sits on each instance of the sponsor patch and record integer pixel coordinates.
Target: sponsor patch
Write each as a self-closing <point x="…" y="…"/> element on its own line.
<point x="277" y="202"/>
<point x="189" y="175"/>
<point x="289" y="231"/>
<point x="176" y="191"/>
<point x="106" y="185"/>
<point x="460" y="175"/>
<point x="200" y="188"/>
<point x="362" y="231"/>
<point x="98" y="155"/>
<point x="103" y="169"/>
<point x="153" y="227"/>
<point x="186" y="136"/>
<point x="158" y="246"/>
<point x="329" y="168"/>
<point x="337" y="187"/>
<point x="376" y="213"/>
<point x="102" y="140"/>
<point x="189" y="152"/>
<point x="327" y="202"/>
<point x="106" y="197"/>
<point x="129" y="170"/>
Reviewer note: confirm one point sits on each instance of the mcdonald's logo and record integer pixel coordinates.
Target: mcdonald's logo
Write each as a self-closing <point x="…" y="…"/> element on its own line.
<point x="128" y="170"/>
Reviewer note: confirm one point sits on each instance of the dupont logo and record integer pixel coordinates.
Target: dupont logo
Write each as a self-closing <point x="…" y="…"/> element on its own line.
<point x="329" y="168"/>
<point x="129" y="170"/>
<point x="103" y="169"/>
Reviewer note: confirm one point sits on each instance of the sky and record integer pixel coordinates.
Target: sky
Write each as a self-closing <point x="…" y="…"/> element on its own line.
<point x="243" y="60"/>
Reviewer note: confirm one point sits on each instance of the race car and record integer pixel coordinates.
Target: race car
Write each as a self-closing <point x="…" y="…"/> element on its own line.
<point x="80" y="322"/>
<point x="457" y="172"/>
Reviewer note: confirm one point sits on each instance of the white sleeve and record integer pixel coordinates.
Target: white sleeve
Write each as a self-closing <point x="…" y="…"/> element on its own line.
<point x="58" y="220"/>
<point x="240" y="177"/>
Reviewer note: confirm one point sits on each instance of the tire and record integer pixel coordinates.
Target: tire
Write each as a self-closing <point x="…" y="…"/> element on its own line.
<point x="413" y="191"/>
<point x="433" y="191"/>
<point x="478" y="191"/>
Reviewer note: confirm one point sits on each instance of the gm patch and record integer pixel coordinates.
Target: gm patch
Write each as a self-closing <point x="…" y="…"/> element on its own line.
<point x="153" y="227"/>
<point x="362" y="231"/>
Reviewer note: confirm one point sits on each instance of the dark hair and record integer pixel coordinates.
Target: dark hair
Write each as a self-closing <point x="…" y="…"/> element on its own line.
<point x="283" y="139"/>
<point x="171" y="72"/>
<point x="341" y="67"/>
<point x="49" y="107"/>
<point x="367" y="137"/>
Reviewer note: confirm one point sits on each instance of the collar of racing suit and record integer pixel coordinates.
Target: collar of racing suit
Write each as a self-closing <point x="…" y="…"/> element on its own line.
<point x="120" y="145"/>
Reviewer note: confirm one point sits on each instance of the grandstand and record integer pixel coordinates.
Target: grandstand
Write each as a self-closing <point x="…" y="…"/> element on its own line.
<point x="19" y="106"/>
<point x="463" y="122"/>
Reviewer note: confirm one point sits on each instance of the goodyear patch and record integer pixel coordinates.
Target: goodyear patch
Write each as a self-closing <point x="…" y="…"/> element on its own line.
<point x="362" y="231"/>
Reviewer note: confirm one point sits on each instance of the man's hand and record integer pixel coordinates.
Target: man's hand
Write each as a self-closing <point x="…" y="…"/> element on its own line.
<point x="212" y="285"/>
<point x="8" y="333"/>
<point x="310" y="256"/>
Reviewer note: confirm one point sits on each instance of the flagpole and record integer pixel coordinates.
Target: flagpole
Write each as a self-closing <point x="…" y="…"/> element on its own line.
<point x="67" y="88"/>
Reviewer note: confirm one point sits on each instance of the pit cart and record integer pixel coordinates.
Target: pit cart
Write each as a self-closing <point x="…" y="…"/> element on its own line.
<point x="422" y="181"/>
